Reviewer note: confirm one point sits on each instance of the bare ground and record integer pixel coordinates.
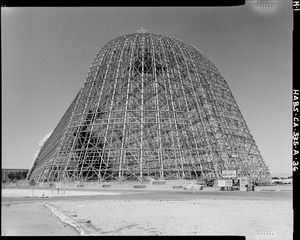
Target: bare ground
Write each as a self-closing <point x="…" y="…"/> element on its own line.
<point x="256" y="215"/>
<point x="251" y="218"/>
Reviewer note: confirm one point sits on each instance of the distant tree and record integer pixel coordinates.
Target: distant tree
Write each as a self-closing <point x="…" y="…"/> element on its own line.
<point x="11" y="175"/>
<point x="18" y="175"/>
<point x="24" y="174"/>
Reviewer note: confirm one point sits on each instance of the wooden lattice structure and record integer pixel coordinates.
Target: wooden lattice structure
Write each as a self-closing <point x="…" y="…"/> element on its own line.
<point x="151" y="106"/>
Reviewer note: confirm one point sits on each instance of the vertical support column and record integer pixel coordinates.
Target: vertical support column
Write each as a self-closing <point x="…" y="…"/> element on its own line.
<point x="142" y="106"/>
<point x="40" y="174"/>
<point x="157" y="109"/>
<point x="114" y="93"/>
<point x="109" y="64"/>
<point x="111" y="50"/>
<point x="122" y="156"/>
<point x="188" y="113"/>
<point x="199" y="111"/>
<point x="173" y="108"/>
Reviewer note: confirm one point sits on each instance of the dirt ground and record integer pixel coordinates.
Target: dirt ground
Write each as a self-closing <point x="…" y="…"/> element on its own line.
<point x="256" y="215"/>
<point x="251" y="218"/>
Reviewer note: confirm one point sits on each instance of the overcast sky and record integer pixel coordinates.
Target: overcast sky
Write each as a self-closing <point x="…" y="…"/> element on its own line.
<point x="46" y="54"/>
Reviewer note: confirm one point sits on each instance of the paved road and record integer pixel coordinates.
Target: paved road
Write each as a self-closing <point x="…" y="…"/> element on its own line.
<point x="31" y="219"/>
<point x="165" y="195"/>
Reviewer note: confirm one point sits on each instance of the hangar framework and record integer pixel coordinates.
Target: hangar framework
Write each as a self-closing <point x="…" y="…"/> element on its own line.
<point x="150" y="106"/>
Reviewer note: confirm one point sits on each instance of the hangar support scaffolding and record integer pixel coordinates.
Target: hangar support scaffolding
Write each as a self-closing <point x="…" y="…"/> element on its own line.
<point x="151" y="106"/>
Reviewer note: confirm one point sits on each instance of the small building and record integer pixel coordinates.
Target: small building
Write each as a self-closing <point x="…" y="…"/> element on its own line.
<point x="287" y="181"/>
<point x="281" y="180"/>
